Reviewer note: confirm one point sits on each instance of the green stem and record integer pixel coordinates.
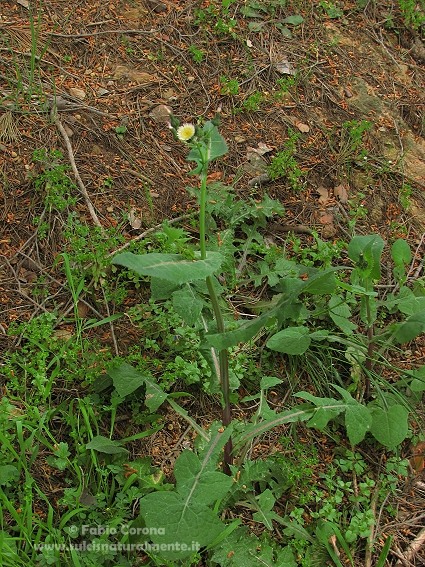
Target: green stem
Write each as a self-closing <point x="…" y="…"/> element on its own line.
<point x="223" y="354"/>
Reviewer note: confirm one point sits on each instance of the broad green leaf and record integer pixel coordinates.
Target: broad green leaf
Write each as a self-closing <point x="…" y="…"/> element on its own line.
<point x="326" y="409"/>
<point x="242" y="334"/>
<point x="411" y="328"/>
<point x="217" y="145"/>
<point x="292" y="340"/>
<point x="295" y="20"/>
<point x="303" y="412"/>
<point x="155" y="395"/>
<point x="365" y="252"/>
<point x="9" y="474"/>
<point x="340" y="313"/>
<point x="126" y="379"/>
<point x="184" y="514"/>
<point x="418" y="382"/>
<point x="162" y="289"/>
<point x="401" y="253"/>
<point x="172" y="267"/>
<point x="389" y="425"/>
<point x="358" y="418"/>
<point x="411" y="305"/>
<point x="250" y="12"/>
<point x="185" y="524"/>
<point x="269" y="382"/>
<point x="323" y="282"/>
<point x="204" y="486"/>
<point x="284" y="30"/>
<point x="187" y="304"/>
<point x="104" y="445"/>
<point x="256" y="26"/>
<point x="265" y="514"/>
<point x="243" y="549"/>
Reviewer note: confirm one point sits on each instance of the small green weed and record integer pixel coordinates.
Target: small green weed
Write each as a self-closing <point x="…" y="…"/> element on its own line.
<point x="229" y="87"/>
<point x="217" y="16"/>
<point x="332" y="10"/>
<point x="285" y="165"/>
<point x="413" y="13"/>
<point x="253" y="102"/>
<point x="197" y="54"/>
<point x="53" y="180"/>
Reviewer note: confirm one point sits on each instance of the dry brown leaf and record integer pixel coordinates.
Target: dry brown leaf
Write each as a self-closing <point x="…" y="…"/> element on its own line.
<point x="134" y="220"/>
<point x="323" y="195"/>
<point x="139" y="77"/>
<point x="82" y="309"/>
<point x="304" y="128"/>
<point x="284" y="67"/>
<point x="341" y="191"/>
<point x="326" y="218"/>
<point x="260" y="150"/>
<point x="62" y="334"/>
<point x="417" y="460"/>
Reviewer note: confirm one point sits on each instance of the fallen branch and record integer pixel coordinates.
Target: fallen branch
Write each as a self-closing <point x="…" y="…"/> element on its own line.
<point x="413" y="548"/>
<point x="80" y="183"/>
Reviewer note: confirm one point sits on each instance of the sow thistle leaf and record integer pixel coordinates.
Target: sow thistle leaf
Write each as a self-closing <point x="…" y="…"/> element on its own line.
<point x="204" y="486"/>
<point x="104" y="445"/>
<point x="390" y="425"/>
<point x="365" y="252"/>
<point x="240" y="335"/>
<point x="182" y="524"/>
<point x="127" y="380"/>
<point x="418" y="382"/>
<point x="241" y="548"/>
<point x="294" y="20"/>
<point x="326" y="409"/>
<point x="303" y="412"/>
<point x="409" y="329"/>
<point x="172" y="267"/>
<point x="184" y="514"/>
<point x="292" y="340"/>
<point x="401" y="253"/>
<point x="358" y="418"/>
<point x="323" y="282"/>
<point x="188" y="305"/>
<point x="340" y="314"/>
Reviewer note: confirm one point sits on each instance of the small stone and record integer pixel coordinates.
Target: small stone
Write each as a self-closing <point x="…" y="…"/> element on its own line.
<point x="68" y="130"/>
<point x="13" y="154"/>
<point x="161" y="113"/>
<point x="110" y="209"/>
<point x="77" y="93"/>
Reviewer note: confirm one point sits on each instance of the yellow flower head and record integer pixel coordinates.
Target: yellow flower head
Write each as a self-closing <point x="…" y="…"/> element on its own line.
<point x="185" y="132"/>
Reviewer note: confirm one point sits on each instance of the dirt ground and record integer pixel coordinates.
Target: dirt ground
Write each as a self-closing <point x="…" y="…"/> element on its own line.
<point x="92" y="79"/>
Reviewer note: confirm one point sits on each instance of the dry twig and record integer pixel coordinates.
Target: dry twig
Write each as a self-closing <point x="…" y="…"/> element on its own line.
<point x="413" y="548"/>
<point x="80" y="183"/>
